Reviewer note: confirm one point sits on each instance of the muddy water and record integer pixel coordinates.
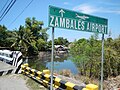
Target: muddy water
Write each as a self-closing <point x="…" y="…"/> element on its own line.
<point x="61" y="62"/>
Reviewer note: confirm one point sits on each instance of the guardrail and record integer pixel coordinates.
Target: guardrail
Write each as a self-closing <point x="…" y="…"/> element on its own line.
<point x="57" y="82"/>
<point x="13" y="58"/>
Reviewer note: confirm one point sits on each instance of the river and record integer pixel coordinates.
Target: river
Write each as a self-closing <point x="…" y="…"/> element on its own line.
<point x="61" y="62"/>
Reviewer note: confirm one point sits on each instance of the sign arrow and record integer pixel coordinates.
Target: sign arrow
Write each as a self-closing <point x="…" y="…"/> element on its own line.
<point x="62" y="12"/>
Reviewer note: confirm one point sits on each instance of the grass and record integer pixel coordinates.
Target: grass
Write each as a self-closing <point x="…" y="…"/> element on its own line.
<point x="33" y="85"/>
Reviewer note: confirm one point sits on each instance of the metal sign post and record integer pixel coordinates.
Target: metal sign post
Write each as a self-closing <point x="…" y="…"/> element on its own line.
<point x="52" y="57"/>
<point x="67" y="19"/>
<point x="102" y="61"/>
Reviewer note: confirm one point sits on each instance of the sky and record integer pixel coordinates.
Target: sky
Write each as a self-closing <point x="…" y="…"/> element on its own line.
<point x="109" y="9"/>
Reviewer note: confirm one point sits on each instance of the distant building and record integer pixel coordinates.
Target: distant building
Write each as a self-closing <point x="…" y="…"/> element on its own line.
<point x="61" y="49"/>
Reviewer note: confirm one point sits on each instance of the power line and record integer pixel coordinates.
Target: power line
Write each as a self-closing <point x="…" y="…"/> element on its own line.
<point x="4" y="6"/>
<point x="7" y="9"/>
<point x="20" y="13"/>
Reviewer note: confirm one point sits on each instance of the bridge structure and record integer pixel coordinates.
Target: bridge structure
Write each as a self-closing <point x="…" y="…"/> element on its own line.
<point x="44" y="78"/>
<point x="12" y="63"/>
<point x="6" y="69"/>
<point x="13" y="58"/>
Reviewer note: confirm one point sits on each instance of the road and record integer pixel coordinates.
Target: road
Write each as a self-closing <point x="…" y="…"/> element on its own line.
<point x="15" y="82"/>
<point x="12" y="82"/>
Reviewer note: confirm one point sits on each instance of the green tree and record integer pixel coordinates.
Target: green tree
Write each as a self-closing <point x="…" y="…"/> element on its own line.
<point x="77" y="51"/>
<point x="41" y="44"/>
<point x="38" y="32"/>
<point x="3" y="36"/>
<point x="86" y="54"/>
<point x="36" y="28"/>
<point x="61" y="41"/>
<point x="23" y="38"/>
<point x="116" y="47"/>
<point x="112" y="57"/>
<point x="49" y="44"/>
<point x="31" y="37"/>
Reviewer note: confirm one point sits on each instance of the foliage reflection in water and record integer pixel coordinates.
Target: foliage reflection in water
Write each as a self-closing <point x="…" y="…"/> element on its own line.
<point x="61" y="62"/>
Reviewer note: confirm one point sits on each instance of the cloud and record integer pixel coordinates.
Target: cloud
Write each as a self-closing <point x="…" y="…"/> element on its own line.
<point x="112" y="11"/>
<point x="85" y="8"/>
<point x="65" y="3"/>
<point x="88" y="9"/>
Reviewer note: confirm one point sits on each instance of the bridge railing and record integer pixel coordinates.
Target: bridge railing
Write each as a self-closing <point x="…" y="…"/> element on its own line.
<point x="57" y="82"/>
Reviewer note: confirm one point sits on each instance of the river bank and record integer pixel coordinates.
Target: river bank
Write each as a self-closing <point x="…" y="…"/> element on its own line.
<point x="112" y="83"/>
<point x="64" y="66"/>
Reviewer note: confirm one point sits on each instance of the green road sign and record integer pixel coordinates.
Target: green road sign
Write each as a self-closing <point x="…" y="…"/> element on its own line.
<point x="67" y="19"/>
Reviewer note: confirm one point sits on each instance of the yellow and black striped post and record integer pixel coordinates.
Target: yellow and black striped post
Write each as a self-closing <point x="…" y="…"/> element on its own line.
<point x="57" y="82"/>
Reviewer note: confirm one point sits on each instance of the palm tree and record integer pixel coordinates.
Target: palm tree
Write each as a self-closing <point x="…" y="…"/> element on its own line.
<point x="36" y="28"/>
<point x="23" y="38"/>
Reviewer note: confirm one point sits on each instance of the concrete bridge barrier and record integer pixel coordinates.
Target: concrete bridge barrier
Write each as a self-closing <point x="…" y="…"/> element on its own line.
<point x="13" y="58"/>
<point x="57" y="82"/>
<point x="6" y="69"/>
